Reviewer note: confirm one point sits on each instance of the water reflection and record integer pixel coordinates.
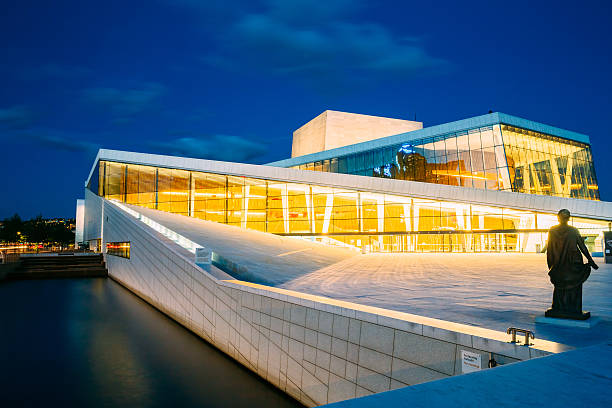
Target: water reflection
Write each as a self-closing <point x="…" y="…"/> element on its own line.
<point x="91" y="342"/>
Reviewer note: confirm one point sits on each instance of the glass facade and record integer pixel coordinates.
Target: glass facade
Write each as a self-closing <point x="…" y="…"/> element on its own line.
<point x="543" y="164"/>
<point x="120" y="249"/>
<point x="496" y="157"/>
<point x="344" y="217"/>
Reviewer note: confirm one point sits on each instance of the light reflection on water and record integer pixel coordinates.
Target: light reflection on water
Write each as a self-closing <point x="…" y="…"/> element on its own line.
<point x="91" y="342"/>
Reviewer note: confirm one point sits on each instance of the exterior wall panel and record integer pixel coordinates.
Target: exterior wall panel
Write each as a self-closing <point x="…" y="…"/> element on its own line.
<point x="80" y="222"/>
<point x="317" y="350"/>
<point x="333" y="129"/>
<point x="92" y="228"/>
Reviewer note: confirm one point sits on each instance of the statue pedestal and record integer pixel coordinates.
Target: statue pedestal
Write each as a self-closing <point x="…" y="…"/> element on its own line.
<point x="584" y="324"/>
<point x="567" y="315"/>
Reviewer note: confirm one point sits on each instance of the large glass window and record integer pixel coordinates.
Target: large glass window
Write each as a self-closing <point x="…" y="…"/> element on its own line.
<point x="115" y="181"/>
<point x="499" y="157"/>
<point x="544" y="164"/>
<point x="120" y="249"/>
<point x="378" y="222"/>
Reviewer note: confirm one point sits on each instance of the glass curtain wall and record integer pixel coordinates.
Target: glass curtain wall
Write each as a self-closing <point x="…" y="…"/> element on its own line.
<point x="496" y="157"/>
<point x="473" y="158"/>
<point x="377" y="222"/>
<point x="543" y="164"/>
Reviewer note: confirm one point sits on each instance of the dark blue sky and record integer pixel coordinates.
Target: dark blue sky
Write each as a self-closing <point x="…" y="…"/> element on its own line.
<point x="231" y="80"/>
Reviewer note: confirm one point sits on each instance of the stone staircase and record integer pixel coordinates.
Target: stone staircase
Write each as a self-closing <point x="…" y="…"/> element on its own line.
<point x="60" y="266"/>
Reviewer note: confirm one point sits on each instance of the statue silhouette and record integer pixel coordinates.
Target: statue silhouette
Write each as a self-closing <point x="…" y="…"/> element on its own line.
<point x="566" y="269"/>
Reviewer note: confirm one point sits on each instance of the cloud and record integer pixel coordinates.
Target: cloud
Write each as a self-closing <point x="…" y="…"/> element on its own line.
<point x="320" y="41"/>
<point x="58" y="140"/>
<point x="337" y="47"/>
<point x="309" y="12"/>
<point x="125" y="103"/>
<point x="16" y="117"/>
<point x="55" y="70"/>
<point x="70" y="145"/>
<point x="215" y="147"/>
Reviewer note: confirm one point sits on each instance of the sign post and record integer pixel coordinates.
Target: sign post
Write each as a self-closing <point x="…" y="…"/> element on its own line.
<point x="470" y="362"/>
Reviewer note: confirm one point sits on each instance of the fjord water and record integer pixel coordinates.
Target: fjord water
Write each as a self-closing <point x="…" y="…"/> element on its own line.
<point x="90" y="342"/>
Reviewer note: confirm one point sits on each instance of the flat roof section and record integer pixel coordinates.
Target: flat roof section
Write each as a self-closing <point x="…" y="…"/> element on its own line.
<point x="432" y="131"/>
<point x="490" y="290"/>
<point x="267" y="259"/>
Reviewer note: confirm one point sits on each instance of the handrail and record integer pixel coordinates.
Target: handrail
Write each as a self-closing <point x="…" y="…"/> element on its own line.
<point x="217" y="259"/>
<point x="514" y="330"/>
<point x="175" y="237"/>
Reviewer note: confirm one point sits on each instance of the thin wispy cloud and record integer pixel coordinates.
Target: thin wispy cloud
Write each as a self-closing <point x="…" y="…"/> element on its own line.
<point x="338" y="47"/>
<point x="58" y="140"/>
<point x="318" y="42"/>
<point x="214" y="147"/>
<point x="15" y="117"/>
<point x="123" y="103"/>
<point x="55" y="70"/>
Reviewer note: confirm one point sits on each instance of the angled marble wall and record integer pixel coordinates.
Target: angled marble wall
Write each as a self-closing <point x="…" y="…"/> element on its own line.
<point x="92" y="218"/>
<point x="316" y="349"/>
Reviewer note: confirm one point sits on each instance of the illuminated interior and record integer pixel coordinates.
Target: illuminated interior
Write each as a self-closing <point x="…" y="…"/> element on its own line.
<point x="364" y="220"/>
<point x="498" y="157"/>
<point x="541" y="164"/>
<point x="121" y="249"/>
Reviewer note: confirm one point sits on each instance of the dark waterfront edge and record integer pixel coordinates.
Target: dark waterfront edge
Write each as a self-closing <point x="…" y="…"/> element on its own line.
<point x="180" y="322"/>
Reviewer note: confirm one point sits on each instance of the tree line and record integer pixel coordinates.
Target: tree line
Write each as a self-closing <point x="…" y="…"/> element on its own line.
<point x="36" y="230"/>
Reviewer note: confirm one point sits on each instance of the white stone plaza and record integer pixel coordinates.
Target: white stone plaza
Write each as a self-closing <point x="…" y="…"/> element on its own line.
<point x="493" y="291"/>
<point x="496" y="291"/>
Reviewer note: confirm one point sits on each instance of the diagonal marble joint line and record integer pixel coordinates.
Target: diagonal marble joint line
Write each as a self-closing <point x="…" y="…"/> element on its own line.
<point x="293" y="252"/>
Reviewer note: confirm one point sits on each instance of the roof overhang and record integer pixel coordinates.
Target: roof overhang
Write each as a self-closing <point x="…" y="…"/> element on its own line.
<point x="601" y="210"/>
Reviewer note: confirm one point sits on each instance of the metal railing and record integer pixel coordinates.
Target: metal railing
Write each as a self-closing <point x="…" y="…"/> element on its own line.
<point x="217" y="259"/>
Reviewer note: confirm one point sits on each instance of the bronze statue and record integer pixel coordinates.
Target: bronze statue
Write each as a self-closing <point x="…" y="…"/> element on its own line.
<point x="566" y="269"/>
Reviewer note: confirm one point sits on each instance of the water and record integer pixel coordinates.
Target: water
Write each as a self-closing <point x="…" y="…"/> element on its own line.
<point x="90" y="342"/>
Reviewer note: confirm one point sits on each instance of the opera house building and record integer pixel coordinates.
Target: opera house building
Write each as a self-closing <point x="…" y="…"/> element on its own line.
<point x="490" y="183"/>
<point x="294" y="270"/>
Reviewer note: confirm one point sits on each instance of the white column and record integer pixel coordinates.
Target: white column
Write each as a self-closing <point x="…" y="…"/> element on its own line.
<point x="407" y="218"/>
<point x="360" y="211"/>
<point x="191" y="195"/>
<point x="567" y="188"/>
<point x="380" y="212"/>
<point x="527" y="238"/>
<point x="285" y="204"/>
<point x="460" y="219"/>
<point x="329" y="203"/>
<point x="309" y="209"/>
<point x="482" y="236"/>
<point x="415" y="225"/>
<point x="500" y="157"/>
<point x="246" y="190"/>
<point x="459" y="214"/>
<point x="527" y="178"/>
<point x="556" y="176"/>
<point x="468" y="226"/>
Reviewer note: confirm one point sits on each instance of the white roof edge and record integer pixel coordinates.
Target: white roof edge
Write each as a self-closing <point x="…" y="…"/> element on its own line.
<point x="93" y="166"/>
<point x="600" y="210"/>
